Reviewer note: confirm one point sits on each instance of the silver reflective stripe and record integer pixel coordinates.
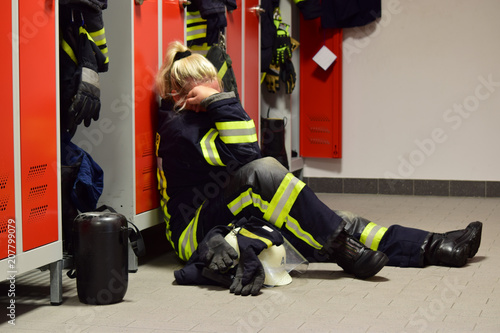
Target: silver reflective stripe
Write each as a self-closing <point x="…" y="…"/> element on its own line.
<point x="90" y="76"/>
<point x="283" y="199"/>
<point x="371" y="236"/>
<point x="244" y="200"/>
<point x="237" y="132"/>
<point x="306" y="237"/>
<point x="209" y="148"/>
<point x="199" y="32"/>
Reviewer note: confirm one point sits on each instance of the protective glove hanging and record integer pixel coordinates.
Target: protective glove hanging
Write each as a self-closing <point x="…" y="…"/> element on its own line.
<point x="288" y="76"/>
<point x="282" y="44"/>
<point x="86" y="103"/>
<point x="273" y="79"/>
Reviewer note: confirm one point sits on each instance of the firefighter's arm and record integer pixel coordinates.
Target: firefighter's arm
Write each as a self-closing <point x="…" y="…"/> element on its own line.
<point x="237" y="136"/>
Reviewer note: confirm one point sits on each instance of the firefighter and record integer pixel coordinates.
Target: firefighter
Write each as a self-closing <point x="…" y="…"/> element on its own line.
<point x="211" y="173"/>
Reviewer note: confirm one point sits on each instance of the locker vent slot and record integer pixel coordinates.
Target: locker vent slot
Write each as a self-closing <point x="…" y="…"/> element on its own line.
<point x="319" y="118"/>
<point x="4" y="201"/>
<point x="3" y="181"/>
<point x="147" y="152"/>
<point x="37" y="192"/>
<point x="149" y="177"/>
<point x="3" y="225"/>
<point x="319" y="130"/>
<point x="37" y="213"/>
<point x="317" y="141"/>
<point x="36" y="171"/>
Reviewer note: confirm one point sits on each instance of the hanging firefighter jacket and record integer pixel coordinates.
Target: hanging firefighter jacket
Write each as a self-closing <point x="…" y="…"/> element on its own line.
<point x="205" y="21"/>
<point x="341" y="13"/>
<point x="84" y="53"/>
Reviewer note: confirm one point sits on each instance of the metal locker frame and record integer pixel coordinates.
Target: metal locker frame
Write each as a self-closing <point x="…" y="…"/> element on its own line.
<point x="35" y="117"/>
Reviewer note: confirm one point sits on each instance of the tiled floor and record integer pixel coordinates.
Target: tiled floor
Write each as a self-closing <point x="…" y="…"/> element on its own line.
<point x="433" y="299"/>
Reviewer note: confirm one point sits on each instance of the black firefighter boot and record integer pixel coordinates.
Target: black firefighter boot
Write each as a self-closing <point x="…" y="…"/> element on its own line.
<point x="452" y="248"/>
<point x="354" y="257"/>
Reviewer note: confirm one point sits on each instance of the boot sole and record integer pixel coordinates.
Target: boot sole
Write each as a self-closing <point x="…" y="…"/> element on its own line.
<point x="476" y="230"/>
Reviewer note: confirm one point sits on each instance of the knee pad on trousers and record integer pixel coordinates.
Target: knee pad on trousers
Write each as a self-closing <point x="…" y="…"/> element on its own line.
<point x="265" y="174"/>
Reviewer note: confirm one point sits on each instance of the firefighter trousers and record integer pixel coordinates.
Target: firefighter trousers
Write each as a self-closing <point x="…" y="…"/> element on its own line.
<point x="265" y="189"/>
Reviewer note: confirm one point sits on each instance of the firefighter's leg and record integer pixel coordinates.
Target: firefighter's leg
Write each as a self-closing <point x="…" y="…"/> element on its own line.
<point x="410" y="247"/>
<point x="265" y="189"/>
<point x="402" y="245"/>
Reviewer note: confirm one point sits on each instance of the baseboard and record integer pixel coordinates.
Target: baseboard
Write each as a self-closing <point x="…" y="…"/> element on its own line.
<point x="454" y="188"/>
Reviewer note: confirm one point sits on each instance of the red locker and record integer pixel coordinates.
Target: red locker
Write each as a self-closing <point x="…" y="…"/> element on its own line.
<point x="145" y="68"/>
<point x="246" y="64"/>
<point x="173" y="23"/>
<point x="252" y="60"/>
<point x="320" y="93"/>
<point x="7" y="190"/>
<point x="38" y="121"/>
<point x="234" y="43"/>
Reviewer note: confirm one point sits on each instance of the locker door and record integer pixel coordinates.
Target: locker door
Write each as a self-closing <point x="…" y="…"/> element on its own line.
<point x="145" y="68"/>
<point x="7" y="190"/>
<point x="38" y="122"/>
<point x="173" y="23"/>
<point x="320" y="93"/>
<point x="234" y="44"/>
<point x="251" y="61"/>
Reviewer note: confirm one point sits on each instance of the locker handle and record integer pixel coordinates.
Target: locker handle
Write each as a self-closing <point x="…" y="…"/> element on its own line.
<point x="139" y="2"/>
<point x="257" y="10"/>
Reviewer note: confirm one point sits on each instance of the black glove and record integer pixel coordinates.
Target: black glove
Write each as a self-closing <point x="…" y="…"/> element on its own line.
<point x="288" y="76"/>
<point x="254" y="236"/>
<point x="217" y="254"/>
<point x="250" y="275"/>
<point x="86" y="102"/>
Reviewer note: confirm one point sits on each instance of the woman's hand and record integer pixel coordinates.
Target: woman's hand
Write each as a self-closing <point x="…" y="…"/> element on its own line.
<point x="198" y="94"/>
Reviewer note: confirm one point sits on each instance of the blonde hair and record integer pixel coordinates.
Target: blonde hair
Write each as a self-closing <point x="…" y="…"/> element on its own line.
<point x="183" y="74"/>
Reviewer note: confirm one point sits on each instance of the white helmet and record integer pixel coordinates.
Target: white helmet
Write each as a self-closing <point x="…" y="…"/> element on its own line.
<point x="273" y="260"/>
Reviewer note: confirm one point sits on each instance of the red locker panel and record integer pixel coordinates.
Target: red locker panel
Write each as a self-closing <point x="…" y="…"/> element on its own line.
<point x="38" y="119"/>
<point x="320" y="93"/>
<point x="7" y="190"/>
<point x="252" y="61"/>
<point x="173" y="23"/>
<point x="145" y="68"/>
<point x="234" y="32"/>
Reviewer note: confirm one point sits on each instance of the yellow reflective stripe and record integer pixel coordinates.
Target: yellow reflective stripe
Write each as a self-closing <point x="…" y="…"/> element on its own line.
<point x="283" y="200"/>
<point x="372" y="235"/>
<point x="196" y="36"/>
<point x="84" y="31"/>
<point x="99" y="37"/>
<point x="237" y="131"/>
<point x="89" y="36"/>
<point x="187" y="241"/>
<point x="246" y="199"/>
<point x="250" y="234"/>
<point x="209" y="149"/>
<point x="222" y="70"/>
<point x="157" y="142"/>
<point x="295" y="228"/>
<point x="69" y="51"/>
<point x="196" y="32"/>
<point x="194" y="17"/>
